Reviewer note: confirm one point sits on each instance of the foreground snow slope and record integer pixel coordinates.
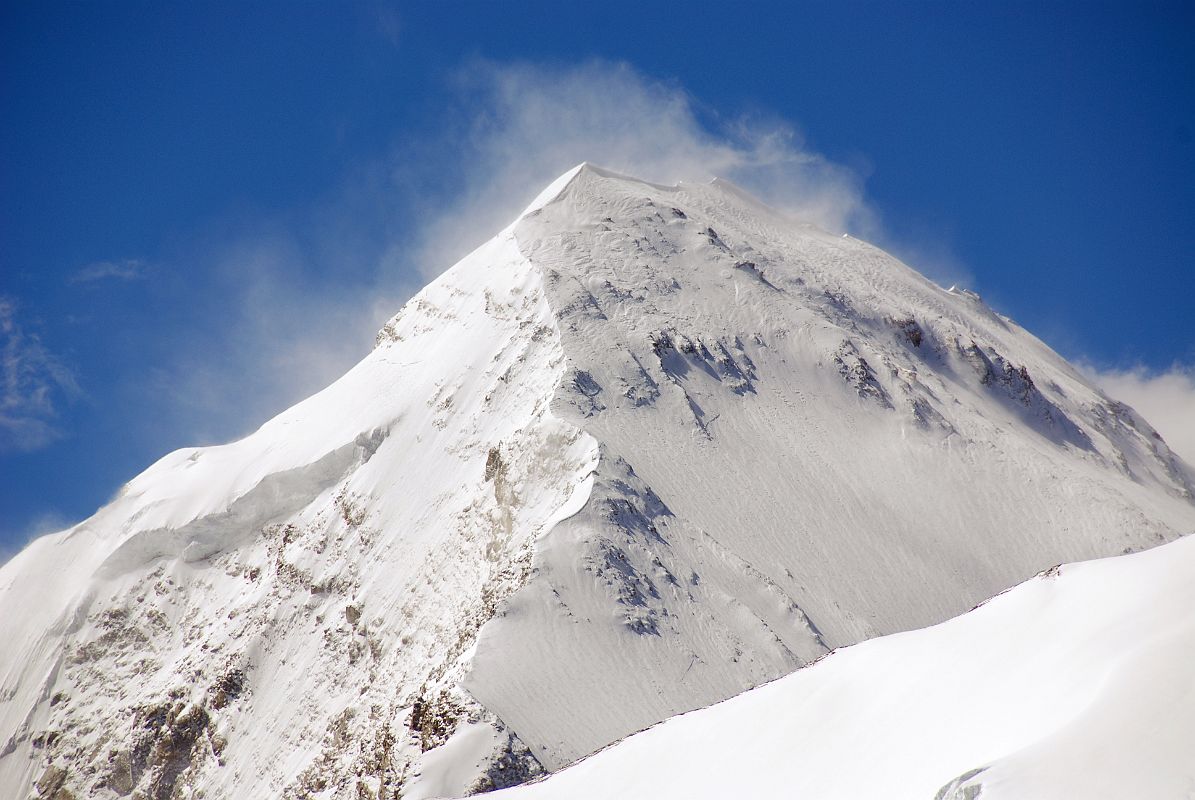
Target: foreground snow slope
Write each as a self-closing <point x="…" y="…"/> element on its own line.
<point x="648" y="447"/>
<point x="1077" y="683"/>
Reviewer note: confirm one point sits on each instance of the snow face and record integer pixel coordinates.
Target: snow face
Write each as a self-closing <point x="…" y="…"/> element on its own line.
<point x="275" y="616"/>
<point x="804" y="444"/>
<point x="1076" y="683"/>
<point x="647" y="448"/>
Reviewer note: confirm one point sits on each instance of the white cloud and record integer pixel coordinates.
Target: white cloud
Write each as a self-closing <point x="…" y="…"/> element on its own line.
<point x="33" y="382"/>
<point x="126" y="270"/>
<point x="301" y="295"/>
<point x="1166" y="399"/>
<point x="523" y="125"/>
<point x="304" y="293"/>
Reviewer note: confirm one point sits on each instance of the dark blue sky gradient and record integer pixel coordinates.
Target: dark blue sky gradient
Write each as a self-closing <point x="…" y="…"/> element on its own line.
<point x="1049" y="150"/>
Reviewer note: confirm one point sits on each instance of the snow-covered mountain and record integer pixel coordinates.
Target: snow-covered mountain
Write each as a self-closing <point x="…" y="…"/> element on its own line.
<point x="648" y="447"/>
<point x="1077" y="683"/>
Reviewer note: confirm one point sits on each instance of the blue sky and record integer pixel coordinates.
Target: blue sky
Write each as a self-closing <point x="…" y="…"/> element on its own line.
<point x="207" y="209"/>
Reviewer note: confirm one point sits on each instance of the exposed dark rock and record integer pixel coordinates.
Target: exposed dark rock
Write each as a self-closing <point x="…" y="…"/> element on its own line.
<point x="589" y="389"/>
<point x="910" y="331"/>
<point x="752" y="269"/>
<point x="169" y="739"/>
<point x="50" y="784"/>
<point x="228" y="687"/>
<point x="855" y="370"/>
<point x="435" y="719"/>
<point x="712" y="237"/>
<point x="513" y="765"/>
<point x="964" y="787"/>
<point x="493" y="464"/>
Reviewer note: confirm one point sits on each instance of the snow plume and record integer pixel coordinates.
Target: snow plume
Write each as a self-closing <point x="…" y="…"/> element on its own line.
<point x="304" y="292"/>
<point x="1166" y="399"/>
<point x="14" y="539"/>
<point x="33" y="382"/>
<point x="520" y="126"/>
<point x="291" y="318"/>
<point x="308" y="288"/>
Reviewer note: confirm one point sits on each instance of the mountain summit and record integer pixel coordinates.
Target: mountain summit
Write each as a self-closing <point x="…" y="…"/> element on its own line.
<point x="646" y="448"/>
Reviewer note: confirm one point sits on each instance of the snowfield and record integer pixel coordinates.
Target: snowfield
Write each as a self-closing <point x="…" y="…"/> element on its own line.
<point x="647" y="448"/>
<point x="1077" y="683"/>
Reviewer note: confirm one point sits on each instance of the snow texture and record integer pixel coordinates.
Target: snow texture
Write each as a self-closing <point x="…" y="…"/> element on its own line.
<point x="648" y="447"/>
<point x="1076" y="683"/>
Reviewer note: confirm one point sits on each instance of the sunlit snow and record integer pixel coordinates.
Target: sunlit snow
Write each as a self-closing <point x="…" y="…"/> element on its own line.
<point x="647" y="448"/>
<point x="1077" y="683"/>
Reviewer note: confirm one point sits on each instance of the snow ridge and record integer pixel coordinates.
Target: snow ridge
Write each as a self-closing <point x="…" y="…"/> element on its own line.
<point x="1011" y="700"/>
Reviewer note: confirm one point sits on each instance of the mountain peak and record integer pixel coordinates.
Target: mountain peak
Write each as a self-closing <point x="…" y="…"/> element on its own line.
<point x="675" y="447"/>
<point x="585" y="169"/>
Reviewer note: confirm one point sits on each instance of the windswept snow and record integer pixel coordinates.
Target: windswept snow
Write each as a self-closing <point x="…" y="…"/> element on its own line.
<point x="804" y="444"/>
<point x="293" y="596"/>
<point x="648" y="447"/>
<point x="1077" y="683"/>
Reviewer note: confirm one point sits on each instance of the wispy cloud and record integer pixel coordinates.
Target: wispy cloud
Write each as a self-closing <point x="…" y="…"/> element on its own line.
<point x="33" y="383"/>
<point x="1165" y="398"/>
<point x="287" y="315"/>
<point x="306" y="292"/>
<point x="521" y="125"/>
<point x="126" y="270"/>
<point x="13" y="541"/>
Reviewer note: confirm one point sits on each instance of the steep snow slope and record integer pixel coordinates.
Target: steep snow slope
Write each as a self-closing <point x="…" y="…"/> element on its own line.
<point x="804" y="444"/>
<point x="260" y="619"/>
<point x="1077" y="683"/>
<point x="648" y="447"/>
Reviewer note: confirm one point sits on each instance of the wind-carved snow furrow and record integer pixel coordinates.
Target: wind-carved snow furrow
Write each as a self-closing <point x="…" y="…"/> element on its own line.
<point x="757" y="578"/>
